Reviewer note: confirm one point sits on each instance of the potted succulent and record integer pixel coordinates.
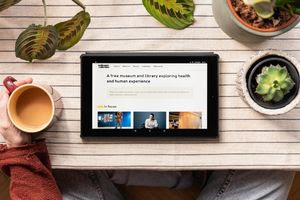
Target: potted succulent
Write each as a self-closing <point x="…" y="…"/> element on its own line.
<point x="256" y="20"/>
<point x="269" y="82"/>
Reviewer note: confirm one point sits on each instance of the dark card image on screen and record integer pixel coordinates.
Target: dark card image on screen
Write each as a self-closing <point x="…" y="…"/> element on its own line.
<point x="114" y="120"/>
<point x="149" y="120"/>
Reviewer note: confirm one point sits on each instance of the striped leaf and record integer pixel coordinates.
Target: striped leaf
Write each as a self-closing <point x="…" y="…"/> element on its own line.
<point x="71" y="31"/>
<point x="4" y="4"/>
<point x="37" y="42"/>
<point x="177" y="14"/>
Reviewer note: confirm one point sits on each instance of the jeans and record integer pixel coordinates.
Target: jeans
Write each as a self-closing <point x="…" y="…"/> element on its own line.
<point x="220" y="185"/>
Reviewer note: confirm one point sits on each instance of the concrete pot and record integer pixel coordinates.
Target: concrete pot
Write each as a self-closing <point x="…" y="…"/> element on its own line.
<point x="239" y="30"/>
<point x="242" y="83"/>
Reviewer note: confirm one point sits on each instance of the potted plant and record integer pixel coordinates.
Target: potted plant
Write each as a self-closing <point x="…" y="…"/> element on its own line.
<point x="256" y="20"/>
<point x="269" y="82"/>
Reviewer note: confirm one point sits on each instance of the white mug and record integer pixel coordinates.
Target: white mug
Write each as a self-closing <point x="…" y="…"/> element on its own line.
<point x="32" y="107"/>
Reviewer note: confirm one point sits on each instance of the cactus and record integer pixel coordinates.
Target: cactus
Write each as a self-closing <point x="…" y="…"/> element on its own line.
<point x="274" y="83"/>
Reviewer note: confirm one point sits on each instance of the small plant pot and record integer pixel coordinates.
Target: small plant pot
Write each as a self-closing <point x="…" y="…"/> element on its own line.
<point x="246" y="82"/>
<point x="238" y="29"/>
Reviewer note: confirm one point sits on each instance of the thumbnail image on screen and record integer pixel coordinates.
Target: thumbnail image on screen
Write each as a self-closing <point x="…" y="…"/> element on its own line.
<point x="149" y="120"/>
<point x="185" y="120"/>
<point x="117" y="120"/>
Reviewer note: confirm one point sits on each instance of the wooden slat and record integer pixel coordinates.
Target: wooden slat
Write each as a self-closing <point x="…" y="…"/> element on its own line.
<point x="230" y="63"/>
<point x="95" y="11"/>
<point x="248" y="140"/>
<point x="232" y="137"/>
<point x="159" y="34"/>
<point x="102" y="23"/>
<point x="225" y="125"/>
<point x="174" y="149"/>
<point x="177" y="44"/>
<point x="179" y="162"/>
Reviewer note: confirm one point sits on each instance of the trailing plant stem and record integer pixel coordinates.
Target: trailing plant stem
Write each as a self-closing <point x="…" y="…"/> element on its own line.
<point x="45" y="12"/>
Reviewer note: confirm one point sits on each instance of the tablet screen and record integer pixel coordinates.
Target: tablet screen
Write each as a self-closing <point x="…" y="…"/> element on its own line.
<point x="149" y="95"/>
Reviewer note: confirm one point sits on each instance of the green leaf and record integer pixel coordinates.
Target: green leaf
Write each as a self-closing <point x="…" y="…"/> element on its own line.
<point x="278" y="96"/>
<point x="273" y="83"/>
<point x="4" y="4"/>
<point x="263" y="79"/>
<point x="71" y="31"/>
<point x="283" y="73"/>
<point x="296" y="11"/>
<point x="270" y="95"/>
<point x="79" y="4"/>
<point x="292" y="5"/>
<point x="263" y="8"/>
<point x="37" y="42"/>
<point x="177" y="14"/>
<point x="280" y="3"/>
<point x="263" y="89"/>
<point x="289" y="83"/>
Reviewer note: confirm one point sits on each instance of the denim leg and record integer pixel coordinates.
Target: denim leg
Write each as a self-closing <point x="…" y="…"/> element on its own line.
<point x="110" y="192"/>
<point x="169" y="179"/>
<point x="248" y="185"/>
<point x="86" y="185"/>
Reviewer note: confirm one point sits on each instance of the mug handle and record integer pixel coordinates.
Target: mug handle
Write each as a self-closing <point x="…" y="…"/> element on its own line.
<point x="8" y="82"/>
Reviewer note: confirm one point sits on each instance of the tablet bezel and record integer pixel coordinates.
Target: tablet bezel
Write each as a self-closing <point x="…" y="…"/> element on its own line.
<point x="212" y="93"/>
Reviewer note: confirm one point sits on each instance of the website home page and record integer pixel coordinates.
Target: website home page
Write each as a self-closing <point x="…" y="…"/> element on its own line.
<point x="149" y="96"/>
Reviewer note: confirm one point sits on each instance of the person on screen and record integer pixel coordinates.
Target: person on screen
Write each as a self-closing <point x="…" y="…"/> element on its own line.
<point x="174" y="124"/>
<point x="119" y="118"/>
<point x="151" y="122"/>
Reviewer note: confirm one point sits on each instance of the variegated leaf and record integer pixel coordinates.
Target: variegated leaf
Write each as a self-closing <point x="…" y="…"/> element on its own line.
<point x="37" y="42"/>
<point x="71" y="31"/>
<point x="177" y="14"/>
<point x="4" y="4"/>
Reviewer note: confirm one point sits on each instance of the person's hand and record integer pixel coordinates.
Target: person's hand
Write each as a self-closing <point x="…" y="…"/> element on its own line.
<point x="12" y="136"/>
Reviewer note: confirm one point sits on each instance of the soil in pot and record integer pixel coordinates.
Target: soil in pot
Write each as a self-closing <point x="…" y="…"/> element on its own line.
<point x="246" y="13"/>
<point x="256" y="69"/>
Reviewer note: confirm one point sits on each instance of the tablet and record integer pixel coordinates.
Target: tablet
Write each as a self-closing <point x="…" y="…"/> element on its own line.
<point x="149" y="95"/>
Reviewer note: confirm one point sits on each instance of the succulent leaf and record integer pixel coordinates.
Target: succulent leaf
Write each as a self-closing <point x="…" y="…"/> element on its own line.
<point x="290" y="84"/>
<point x="4" y="4"/>
<point x="37" y="42"/>
<point x="278" y="96"/>
<point x="283" y="73"/>
<point x="270" y="95"/>
<point x="71" y="31"/>
<point x="274" y="83"/>
<point x="263" y="89"/>
<point x="177" y="14"/>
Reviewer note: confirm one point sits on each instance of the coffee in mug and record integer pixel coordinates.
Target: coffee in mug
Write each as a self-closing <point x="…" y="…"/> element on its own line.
<point x="32" y="107"/>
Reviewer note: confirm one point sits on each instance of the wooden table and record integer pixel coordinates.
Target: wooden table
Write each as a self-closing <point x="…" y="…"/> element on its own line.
<point x="247" y="140"/>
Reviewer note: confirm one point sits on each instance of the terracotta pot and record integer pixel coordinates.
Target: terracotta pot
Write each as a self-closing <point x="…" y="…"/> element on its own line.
<point x="238" y="29"/>
<point x="252" y="67"/>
